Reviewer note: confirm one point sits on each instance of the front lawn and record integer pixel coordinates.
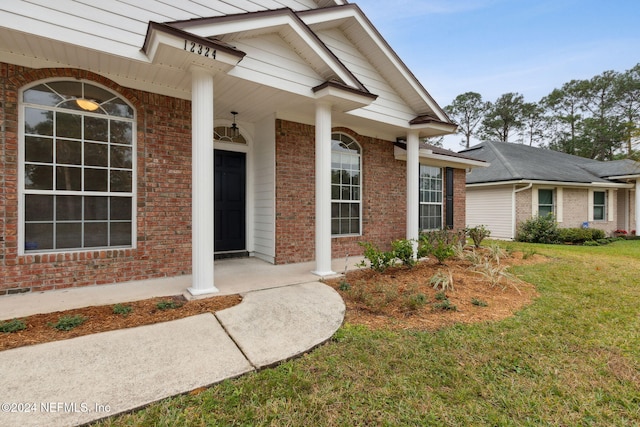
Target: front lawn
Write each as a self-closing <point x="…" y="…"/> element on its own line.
<point x="571" y="358"/>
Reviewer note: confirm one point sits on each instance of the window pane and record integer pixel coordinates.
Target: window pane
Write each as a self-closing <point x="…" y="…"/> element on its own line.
<point x="345" y="193"/>
<point x="96" y="234"/>
<point x="68" y="208"/>
<point x="355" y="226"/>
<point x="38" y="177"/>
<point x="38" y="236"/>
<point x="120" y="234"/>
<point x="335" y="226"/>
<point x="121" y="157"/>
<point x="335" y="192"/>
<point x="68" y="152"/>
<point x="121" y="181"/>
<point x="68" y="89"/>
<point x="95" y="179"/>
<point x="96" y="129"/>
<point x="69" y="125"/>
<point x="97" y="208"/>
<point x="38" y="122"/>
<point x="598" y="213"/>
<point x="68" y="178"/>
<point x="544" y="210"/>
<point x="68" y="235"/>
<point x="121" y="132"/>
<point x="545" y="197"/>
<point x="41" y="95"/>
<point x="38" y="149"/>
<point x="38" y="208"/>
<point x="96" y="154"/>
<point x="598" y="197"/>
<point x="120" y="208"/>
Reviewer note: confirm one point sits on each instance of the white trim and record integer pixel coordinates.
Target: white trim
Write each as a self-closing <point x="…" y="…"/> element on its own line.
<point x="553" y="183"/>
<point x="559" y="205"/>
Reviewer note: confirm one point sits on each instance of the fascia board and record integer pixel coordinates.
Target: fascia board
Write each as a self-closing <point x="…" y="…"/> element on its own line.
<point x="553" y="183"/>
<point x="353" y="12"/>
<point x="428" y="156"/>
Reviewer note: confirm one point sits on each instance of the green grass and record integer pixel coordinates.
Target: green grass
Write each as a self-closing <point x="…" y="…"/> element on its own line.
<point x="572" y="358"/>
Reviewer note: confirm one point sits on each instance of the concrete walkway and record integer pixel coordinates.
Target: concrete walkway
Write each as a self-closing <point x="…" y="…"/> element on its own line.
<point x="83" y="379"/>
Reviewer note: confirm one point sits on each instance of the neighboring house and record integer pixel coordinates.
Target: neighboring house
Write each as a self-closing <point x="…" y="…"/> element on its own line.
<point x="139" y="140"/>
<point x="522" y="182"/>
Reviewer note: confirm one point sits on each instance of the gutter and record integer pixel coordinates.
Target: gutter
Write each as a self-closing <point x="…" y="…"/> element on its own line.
<point x="552" y="183"/>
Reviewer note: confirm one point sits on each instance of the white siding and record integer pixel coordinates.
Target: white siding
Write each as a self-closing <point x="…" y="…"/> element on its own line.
<point x="388" y="103"/>
<point x="493" y="208"/>
<point x="119" y="27"/>
<point x="264" y="189"/>
<point x="272" y="62"/>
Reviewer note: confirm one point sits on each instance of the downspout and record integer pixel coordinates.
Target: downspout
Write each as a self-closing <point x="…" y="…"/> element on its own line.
<point x="637" y="205"/>
<point x="513" y="207"/>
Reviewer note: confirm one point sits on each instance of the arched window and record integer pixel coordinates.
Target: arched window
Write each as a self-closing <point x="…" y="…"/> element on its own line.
<point x="77" y="166"/>
<point x="346" y="186"/>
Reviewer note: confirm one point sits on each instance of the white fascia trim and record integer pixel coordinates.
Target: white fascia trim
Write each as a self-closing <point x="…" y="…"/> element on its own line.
<point x="625" y="177"/>
<point x="431" y="158"/>
<point x="553" y="183"/>
<point x="276" y="24"/>
<point x="372" y="33"/>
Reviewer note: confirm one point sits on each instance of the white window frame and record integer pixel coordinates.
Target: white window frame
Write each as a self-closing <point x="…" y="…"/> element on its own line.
<point x="336" y="138"/>
<point x="23" y="191"/>
<point x="431" y="203"/>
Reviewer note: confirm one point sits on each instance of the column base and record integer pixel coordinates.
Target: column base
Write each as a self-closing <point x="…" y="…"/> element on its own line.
<point x="324" y="273"/>
<point x="197" y="291"/>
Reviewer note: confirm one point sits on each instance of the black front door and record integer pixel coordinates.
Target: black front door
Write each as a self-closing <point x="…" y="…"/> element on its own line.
<point x="230" y="201"/>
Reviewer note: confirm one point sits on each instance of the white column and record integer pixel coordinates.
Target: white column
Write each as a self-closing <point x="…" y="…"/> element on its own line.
<point x="202" y="182"/>
<point x="637" y="195"/>
<point x="413" y="189"/>
<point x="323" y="189"/>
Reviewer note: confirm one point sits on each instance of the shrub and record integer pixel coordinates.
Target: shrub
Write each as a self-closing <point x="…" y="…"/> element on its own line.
<point x="67" y="323"/>
<point x="403" y="250"/>
<point x="445" y="304"/>
<point x="539" y="229"/>
<point x="378" y="260"/>
<point x="14" y="325"/>
<point x="477" y="234"/>
<point x="579" y="235"/>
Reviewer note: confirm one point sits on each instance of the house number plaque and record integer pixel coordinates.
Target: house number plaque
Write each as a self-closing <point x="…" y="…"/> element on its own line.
<point x="199" y="49"/>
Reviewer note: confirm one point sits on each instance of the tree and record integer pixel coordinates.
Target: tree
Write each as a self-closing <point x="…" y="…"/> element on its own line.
<point x="603" y="130"/>
<point x="503" y="118"/>
<point x="534" y="123"/>
<point x="564" y="105"/>
<point x="628" y="94"/>
<point x="467" y="110"/>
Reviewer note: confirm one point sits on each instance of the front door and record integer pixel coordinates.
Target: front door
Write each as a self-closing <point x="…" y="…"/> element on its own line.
<point x="230" y="202"/>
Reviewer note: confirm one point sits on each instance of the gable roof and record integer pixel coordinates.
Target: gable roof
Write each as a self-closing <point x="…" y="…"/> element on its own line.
<point x="517" y="162"/>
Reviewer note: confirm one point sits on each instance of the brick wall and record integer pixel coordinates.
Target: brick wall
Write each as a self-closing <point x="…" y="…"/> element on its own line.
<point x="163" y="195"/>
<point x="384" y="195"/>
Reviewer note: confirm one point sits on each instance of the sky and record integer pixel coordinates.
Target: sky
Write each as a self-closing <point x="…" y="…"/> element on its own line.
<point x="498" y="46"/>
